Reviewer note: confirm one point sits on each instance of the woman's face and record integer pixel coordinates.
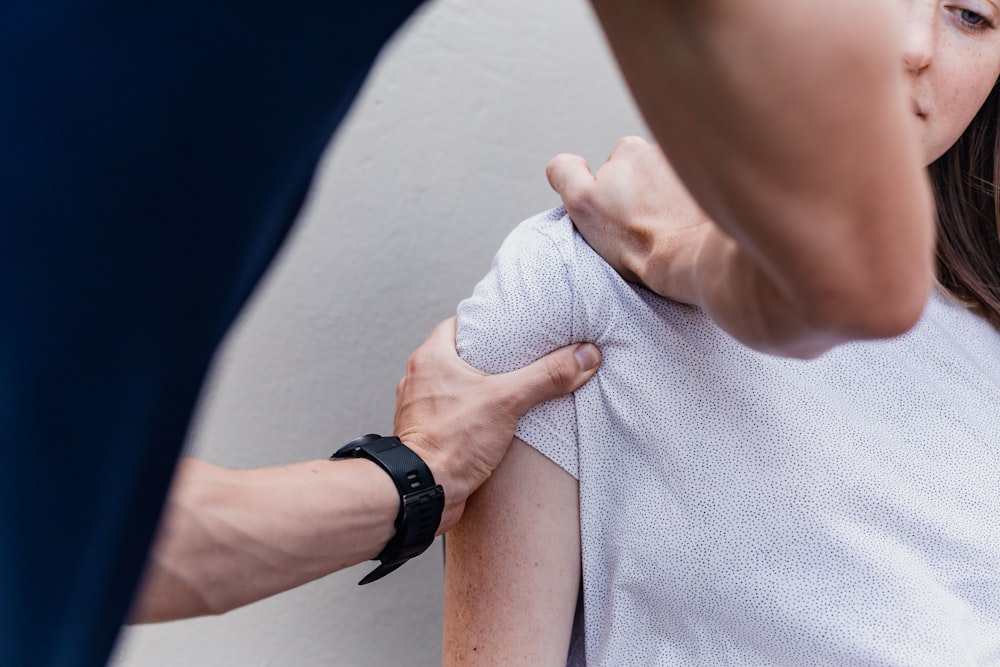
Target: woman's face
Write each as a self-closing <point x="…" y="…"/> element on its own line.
<point x="952" y="59"/>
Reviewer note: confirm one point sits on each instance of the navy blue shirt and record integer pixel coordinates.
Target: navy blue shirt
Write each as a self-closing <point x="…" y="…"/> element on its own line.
<point x="152" y="158"/>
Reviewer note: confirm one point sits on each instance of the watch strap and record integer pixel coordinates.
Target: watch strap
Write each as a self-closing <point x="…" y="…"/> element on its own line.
<point x="421" y="499"/>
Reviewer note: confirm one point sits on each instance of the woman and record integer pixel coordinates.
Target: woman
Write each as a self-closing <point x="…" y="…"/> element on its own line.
<point x="699" y="503"/>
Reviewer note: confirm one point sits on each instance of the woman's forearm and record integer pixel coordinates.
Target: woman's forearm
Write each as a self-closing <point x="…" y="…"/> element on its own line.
<point x="231" y="537"/>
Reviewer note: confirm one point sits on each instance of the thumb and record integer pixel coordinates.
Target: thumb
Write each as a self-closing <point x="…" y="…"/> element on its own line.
<point x="556" y="374"/>
<point x="569" y="175"/>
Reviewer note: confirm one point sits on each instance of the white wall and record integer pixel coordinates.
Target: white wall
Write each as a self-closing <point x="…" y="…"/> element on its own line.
<point x="443" y="154"/>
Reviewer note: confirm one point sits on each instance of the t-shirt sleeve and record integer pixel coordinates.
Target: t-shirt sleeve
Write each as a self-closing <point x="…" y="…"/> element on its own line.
<point x="519" y="312"/>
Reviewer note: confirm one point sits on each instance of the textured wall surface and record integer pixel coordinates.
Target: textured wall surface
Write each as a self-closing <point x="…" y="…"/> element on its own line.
<point x="443" y="153"/>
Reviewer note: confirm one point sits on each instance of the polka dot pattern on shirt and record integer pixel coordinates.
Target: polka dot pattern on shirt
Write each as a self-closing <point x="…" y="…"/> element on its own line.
<point x="742" y="509"/>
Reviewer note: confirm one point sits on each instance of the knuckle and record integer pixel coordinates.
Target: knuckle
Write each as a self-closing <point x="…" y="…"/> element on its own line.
<point x="422" y="355"/>
<point x="625" y="143"/>
<point x="555" y="165"/>
<point x="560" y="375"/>
<point x="630" y="149"/>
<point x="415" y="363"/>
<point x="620" y="144"/>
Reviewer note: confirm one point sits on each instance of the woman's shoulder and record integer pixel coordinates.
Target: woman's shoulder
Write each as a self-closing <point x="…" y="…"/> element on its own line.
<point x="548" y="236"/>
<point x="522" y="308"/>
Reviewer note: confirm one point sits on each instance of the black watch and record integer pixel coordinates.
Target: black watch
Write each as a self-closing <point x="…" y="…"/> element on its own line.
<point x="421" y="500"/>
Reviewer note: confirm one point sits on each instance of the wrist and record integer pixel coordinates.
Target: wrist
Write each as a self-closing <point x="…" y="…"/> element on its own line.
<point x="683" y="263"/>
<point x="454" y="476"/>
<point x="711" y="271"/>
<point x="421" y="498"/>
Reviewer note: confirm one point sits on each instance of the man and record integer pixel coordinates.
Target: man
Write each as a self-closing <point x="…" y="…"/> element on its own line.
<point x="155" y="156"/>
<point x="792" y="126"/>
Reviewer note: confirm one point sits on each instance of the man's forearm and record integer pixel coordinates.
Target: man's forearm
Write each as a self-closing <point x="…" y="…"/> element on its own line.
<point x="231" y="537"/>
<point x="745" y="302"/>
<point x="789" y="124"/>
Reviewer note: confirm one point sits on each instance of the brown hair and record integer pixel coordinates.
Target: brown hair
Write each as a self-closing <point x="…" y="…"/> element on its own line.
<point x="967" y="197"/>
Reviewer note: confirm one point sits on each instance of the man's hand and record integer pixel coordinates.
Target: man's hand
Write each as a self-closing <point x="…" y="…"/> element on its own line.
<point x="230" y="537"/>
<point x="636" y="214"/>
<point x="461" y="421"/>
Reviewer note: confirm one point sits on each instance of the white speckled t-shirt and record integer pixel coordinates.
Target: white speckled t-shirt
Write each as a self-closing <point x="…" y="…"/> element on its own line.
<point x="742" y="509"/>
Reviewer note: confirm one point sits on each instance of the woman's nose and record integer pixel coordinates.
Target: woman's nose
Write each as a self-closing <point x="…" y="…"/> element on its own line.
<point x="918" y="41"/>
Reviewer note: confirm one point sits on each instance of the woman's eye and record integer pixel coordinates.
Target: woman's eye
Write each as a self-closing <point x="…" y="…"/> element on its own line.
<point x="972" y="19"/>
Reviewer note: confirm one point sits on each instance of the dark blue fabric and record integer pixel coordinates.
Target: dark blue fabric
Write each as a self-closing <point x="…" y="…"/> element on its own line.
<point x="152" y="158"/>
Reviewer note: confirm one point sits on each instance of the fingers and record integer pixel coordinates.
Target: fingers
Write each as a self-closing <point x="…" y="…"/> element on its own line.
<point x="569" y="175"/>
<point x="436" y="375"/>
<point x="556" y="374"/>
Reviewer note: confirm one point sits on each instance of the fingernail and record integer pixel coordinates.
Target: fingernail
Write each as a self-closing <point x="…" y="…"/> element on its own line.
<point x="587" y="355"/>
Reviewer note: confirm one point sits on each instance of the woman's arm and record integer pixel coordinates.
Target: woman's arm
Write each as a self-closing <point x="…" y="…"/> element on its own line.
<point x="512" y="573"/>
